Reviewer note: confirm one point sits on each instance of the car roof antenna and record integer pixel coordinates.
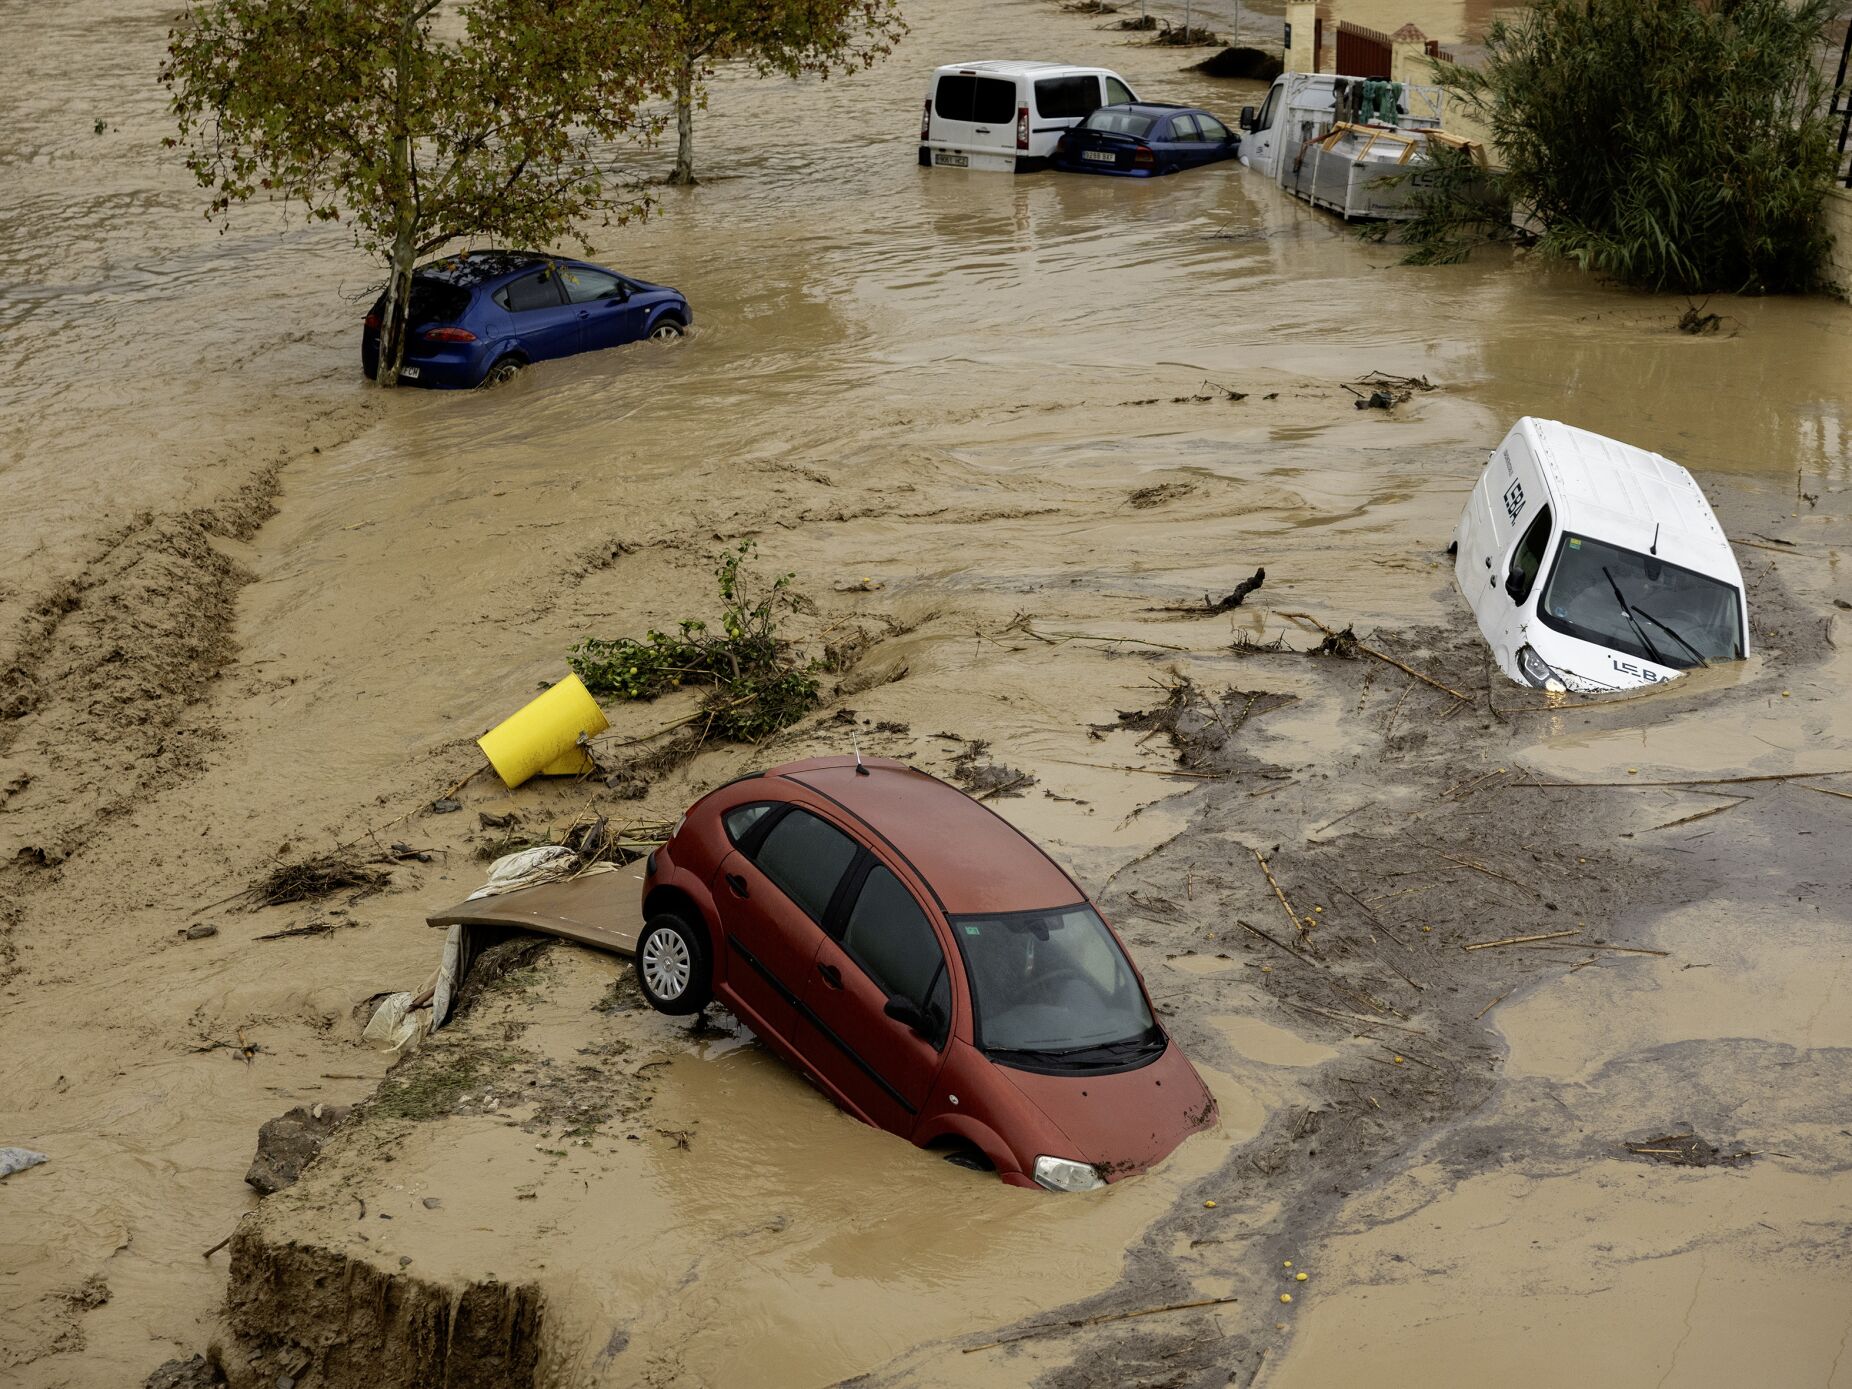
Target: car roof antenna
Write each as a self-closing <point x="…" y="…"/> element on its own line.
<point x="1653" y="549"/>
<point x="856" y="743"/>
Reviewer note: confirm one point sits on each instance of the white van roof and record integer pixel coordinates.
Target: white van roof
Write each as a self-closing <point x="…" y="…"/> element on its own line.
<point x="1012" y="68"/>
<point x="1622" y="494"/>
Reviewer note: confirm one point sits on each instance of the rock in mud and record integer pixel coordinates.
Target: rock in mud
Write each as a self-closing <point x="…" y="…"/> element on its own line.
<point x="201" y="930"/>
<point x="288" y="1143"/>
<point x="197" y="1373"/>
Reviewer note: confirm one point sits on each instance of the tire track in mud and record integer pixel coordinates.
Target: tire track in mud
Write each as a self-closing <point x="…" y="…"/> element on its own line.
<point x="101" y="697"/>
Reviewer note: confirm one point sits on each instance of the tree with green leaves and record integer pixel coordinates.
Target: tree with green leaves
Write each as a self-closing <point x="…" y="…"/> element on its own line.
<point x="417" y="123"/>
<point x="1674" y="144"/>
<point x="792" y="37"/>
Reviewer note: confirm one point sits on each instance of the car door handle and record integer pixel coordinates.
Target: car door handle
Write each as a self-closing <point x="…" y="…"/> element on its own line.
<point x="738" y="884"/>
<point x="982" y="130"/>
<point x="585" y="313"/>
<point x="831" y="975"/>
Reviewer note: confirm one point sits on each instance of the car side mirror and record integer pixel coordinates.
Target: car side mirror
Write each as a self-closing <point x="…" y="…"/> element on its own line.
<point x="907" y="1013"/>
<point x="1247" y="118"/>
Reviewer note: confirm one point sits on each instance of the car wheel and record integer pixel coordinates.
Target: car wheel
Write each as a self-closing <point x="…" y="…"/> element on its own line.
<point x="667" y="330"/>
<point x="504" y="371"/>
<point x="672" y="966"/>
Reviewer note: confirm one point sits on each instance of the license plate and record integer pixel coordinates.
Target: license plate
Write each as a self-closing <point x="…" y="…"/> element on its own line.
<point x="958" y="161"/>
<point x="409" y="373"/>
<point x="1100" y="156"/>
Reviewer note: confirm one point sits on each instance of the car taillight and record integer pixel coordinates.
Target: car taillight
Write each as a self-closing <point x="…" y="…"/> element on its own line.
<point x="1022" y="127"/>
<point x="448" y="335"/>
<point x="1143" y="155"/>
<point x="926" y="121"/>
<point x="372" y="320"/>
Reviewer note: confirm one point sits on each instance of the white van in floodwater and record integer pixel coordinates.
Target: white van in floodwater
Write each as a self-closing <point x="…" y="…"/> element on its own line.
<point x="1007" y="116"/>
<point x="1594" y="565"/>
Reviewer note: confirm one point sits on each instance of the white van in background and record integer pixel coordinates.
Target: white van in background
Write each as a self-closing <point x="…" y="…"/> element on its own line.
<point x="1594" y="565"/>
<point x="1007" y="116"/>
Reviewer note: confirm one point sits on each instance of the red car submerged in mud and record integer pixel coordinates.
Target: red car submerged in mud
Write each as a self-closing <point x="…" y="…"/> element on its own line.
<point x="930" y="968"/>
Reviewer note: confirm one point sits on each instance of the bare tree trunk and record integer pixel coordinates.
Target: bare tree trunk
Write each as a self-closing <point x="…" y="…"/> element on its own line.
<point x="684" y="125"/>
<point x="405" y="232"/>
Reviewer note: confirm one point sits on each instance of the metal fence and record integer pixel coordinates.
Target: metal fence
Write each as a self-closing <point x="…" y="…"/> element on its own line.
<point x="1362" y="52"/>
<point x="1841" y="108"/>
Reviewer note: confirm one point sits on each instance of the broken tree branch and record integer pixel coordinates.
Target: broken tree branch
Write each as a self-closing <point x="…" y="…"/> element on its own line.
<point x="1386" y="659"/>
<point x="1285" y="906"/>
<point x="1523" y="940"/>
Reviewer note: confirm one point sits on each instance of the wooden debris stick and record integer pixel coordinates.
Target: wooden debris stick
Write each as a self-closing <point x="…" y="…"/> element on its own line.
<point x="1275" y="940"/>
<point x="1489" y="872"/>
<point x="1386" y="659"/>
<point x="1146" y="771"/>
<point x="1412" y="983"/>
<point x="1694" y="781"/>
<point x="1285" y="906"/>
<point x="1354" y="1017"/>
<point x="1828" y="791"/>
<point x="1488" y="1008"/>
<point x="1522" y="940"/>
<point x="1706" y="814"/>
<point x="1099" y="1320"/>
<point x="1597" y="945"/>
<point x="1447" y="795"/>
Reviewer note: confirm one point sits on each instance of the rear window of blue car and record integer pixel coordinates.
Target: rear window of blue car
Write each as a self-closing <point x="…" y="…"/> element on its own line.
<point x="1120" y="122"/>
<point x="433" y="301"/>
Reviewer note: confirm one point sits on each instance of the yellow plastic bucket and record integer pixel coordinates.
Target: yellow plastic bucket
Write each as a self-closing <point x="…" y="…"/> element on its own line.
<point x="542" y="738"/>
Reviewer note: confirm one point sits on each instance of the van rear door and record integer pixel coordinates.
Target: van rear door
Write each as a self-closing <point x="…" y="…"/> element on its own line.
<point x="972" y="113"/>
<point x="1062" y="103"/>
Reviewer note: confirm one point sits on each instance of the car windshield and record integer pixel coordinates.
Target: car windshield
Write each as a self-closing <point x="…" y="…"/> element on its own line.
<point x="1054" y="985"/>
<point x="1120" y="122"/>
<point x="1641" y="605"/>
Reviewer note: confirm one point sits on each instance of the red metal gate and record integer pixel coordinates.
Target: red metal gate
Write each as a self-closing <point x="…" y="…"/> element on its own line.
<point x="1361" y="52"/>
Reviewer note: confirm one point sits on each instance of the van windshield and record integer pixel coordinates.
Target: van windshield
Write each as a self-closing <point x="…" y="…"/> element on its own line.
<point x="1120" y="122"/>
<point x="1052" y="989"/>
<point x="1641" y="605"/>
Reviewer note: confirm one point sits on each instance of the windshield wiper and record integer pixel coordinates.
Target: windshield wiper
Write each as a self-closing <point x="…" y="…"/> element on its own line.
<point x="1627" y="612"/>
<point x="1112" y="1051"/>
<point x="1696" y="655"/>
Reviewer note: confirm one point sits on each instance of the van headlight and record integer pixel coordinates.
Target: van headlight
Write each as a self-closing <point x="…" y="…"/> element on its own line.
<point x="1539" y="671"/>
<point x="1063" y="1174"/>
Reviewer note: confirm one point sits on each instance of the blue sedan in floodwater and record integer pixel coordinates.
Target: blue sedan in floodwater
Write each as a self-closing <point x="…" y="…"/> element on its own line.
<point x="477" y="319"/>
<point x="1144" y="139"/>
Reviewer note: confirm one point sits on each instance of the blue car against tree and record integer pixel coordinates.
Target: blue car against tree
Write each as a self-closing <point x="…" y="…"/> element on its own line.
<point x="479" y="318"/>
<point x="1144" y="139"/>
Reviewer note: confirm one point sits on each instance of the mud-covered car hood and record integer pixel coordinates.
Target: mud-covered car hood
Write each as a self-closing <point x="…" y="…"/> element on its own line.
<point x="1126" y="1122"/>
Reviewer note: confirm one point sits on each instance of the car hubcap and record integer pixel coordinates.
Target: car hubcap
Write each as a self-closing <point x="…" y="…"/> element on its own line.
<point x="666" y="964"/>
<point x="664" y="333"/>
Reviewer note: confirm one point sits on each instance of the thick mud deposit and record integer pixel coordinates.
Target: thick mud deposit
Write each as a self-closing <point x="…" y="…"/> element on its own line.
<point x="253" y="610"/>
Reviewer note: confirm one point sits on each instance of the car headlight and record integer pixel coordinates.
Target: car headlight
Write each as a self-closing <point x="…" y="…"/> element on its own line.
<point x="1063" y="1174"/>
<point x="1539" y="671"/>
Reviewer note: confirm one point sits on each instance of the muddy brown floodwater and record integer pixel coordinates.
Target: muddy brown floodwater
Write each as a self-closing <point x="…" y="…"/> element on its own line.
<point x="252" y="608"/>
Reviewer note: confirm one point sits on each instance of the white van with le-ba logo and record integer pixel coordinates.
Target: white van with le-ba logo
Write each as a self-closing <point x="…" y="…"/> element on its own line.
<point x="1007" y="116"/>
<point x="1594" y="565"/>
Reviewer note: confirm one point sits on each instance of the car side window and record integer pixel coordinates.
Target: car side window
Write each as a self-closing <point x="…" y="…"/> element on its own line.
<point x="1117" y="93"/>
<point x="1212" y="129"/>
<point x="539" y="290"/>
<point x="1064" y="98"/>
<point x="890" y="937"/>
<point x="589" y="286"/>
<point x="1184" y="129"/>
<point x="806" y="857"/>
<point x="994" y="102"/>
<point x="1527" y="559"/>
<point x="1264" y="120"/>
<point x="740" y="820"/>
